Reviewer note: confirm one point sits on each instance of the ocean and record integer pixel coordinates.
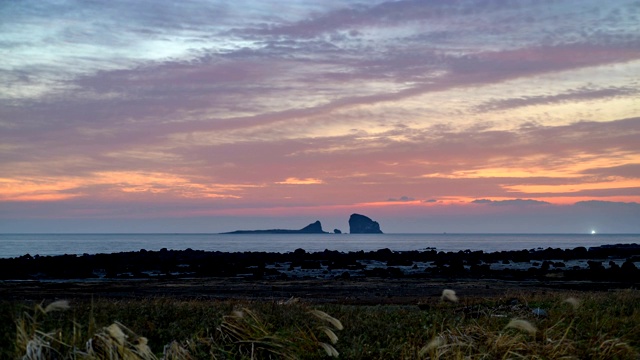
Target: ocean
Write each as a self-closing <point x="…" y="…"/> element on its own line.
<point x="15" y="245"/>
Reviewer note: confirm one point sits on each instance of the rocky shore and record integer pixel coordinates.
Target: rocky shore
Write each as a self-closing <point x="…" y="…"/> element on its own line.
<point x="609" y="262"/>
<point x="604" y="267"/>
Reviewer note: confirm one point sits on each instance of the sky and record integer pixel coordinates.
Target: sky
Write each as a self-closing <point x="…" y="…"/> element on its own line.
<point x="427" y="116"/>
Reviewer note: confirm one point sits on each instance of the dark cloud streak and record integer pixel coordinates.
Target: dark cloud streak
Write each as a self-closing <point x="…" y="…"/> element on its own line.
<point x="581" y="94"/>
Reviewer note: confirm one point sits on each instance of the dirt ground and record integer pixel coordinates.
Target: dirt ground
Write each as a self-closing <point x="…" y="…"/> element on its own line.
<point x="352" y="291"/>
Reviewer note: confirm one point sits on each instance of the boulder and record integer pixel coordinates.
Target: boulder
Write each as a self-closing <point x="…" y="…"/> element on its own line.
<point x="360" y="224"/>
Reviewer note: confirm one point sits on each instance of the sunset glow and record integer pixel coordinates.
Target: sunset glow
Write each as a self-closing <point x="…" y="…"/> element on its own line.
<point x="445" y="112"/>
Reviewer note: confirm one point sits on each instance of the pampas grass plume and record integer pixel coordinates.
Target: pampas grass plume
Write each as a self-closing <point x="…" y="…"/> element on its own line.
<point x="174" y="351"/>
<point x="59" y="305"/>
<point x="116" y="333"/>
<point x="575" y="303"/>
<point x="449" y="295"/>
<point x="330" y="350"/>
<point x="433" y="344"/>
<point x="332" y="336"/>
<point x="522" y="325"/>
<point x="326" y="317"/>
<point x="142" y="349"/>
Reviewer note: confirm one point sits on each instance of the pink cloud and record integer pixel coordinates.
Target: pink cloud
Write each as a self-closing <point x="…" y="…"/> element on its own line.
<point x="307" y="112"/>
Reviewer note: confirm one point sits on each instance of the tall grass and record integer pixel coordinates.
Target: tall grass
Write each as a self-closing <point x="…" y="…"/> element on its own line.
<point x="241" y="334"/>
<point x="574" y="326"/>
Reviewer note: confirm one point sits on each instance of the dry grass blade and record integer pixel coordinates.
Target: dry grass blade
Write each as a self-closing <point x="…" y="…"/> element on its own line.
<point x="250" y="336"/>
<point x="562" y="342"/>
<point x="615" y="349"/>
<point x="37" y="349"/>
<point x="243" y="326"/>
<point x="174" y="351"/>
<point x="23" y="335"/>
<point x="34" y="343"/>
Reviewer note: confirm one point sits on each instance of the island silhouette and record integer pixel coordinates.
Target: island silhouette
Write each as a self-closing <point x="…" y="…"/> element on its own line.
<point x="358" y="224"/>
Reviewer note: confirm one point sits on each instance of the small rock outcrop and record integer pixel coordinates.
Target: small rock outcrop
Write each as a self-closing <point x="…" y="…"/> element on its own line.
<point x="360" y="224"/>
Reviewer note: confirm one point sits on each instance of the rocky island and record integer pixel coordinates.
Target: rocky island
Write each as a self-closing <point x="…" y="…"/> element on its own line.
<point x="360" y="224"/>
<point x="313" y="228"/>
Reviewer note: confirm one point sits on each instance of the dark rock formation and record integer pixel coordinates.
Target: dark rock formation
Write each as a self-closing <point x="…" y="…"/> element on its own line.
<point x="314" y="228"/>
<point x="360" y="224"/>
<point x="337" y="231"/>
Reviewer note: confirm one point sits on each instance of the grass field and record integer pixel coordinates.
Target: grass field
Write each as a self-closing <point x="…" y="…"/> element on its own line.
<point x="553" y="325"/>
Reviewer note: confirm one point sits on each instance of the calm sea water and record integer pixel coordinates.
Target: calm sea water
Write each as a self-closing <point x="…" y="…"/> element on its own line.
<point x="13" y="245"/>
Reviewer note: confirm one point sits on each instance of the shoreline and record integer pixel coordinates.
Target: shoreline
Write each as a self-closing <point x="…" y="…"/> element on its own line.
<point x="550" y="262"/>
<point x="382" y="276"/>
<point x="80" y="244"/>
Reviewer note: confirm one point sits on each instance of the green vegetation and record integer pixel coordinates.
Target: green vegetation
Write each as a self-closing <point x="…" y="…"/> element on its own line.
<point x="559" y="325"/>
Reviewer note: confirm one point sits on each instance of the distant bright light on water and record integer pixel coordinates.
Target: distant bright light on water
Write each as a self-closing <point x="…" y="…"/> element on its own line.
<point x="593" y="232"/>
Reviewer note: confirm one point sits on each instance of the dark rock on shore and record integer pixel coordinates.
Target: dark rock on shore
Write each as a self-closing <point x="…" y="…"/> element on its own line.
<point x="313" y="228"/>
<point x="360" y="224"/>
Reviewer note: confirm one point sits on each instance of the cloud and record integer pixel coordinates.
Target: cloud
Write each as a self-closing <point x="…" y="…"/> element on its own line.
<point x="631" y="171"/>
<point x="599" y="204"/>
<point x="297" y="181"/>
<point x="570" y="96"/>
<point x="401" y="199"/>
<point x="447" y="161"/>
<point x="511" y="202"/>
<point x="366" y="99"/>
<point x="456" y="19"/>
<point x="116" y="184"/>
